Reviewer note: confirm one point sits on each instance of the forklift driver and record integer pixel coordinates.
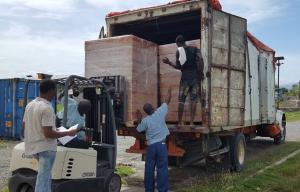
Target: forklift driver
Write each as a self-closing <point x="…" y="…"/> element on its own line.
<point x="83" y="107"/>
<point x="76" y="115"/>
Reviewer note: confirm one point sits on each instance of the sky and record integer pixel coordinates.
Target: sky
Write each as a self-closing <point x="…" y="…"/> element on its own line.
<point x="48" y="35"/>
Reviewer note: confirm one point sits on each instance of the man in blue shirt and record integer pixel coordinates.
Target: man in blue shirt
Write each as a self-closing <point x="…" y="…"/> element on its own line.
<point x="157" y="154"/>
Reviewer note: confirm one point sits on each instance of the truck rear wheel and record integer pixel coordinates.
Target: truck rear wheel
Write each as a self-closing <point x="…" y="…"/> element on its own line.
<point x="238" y="152"/>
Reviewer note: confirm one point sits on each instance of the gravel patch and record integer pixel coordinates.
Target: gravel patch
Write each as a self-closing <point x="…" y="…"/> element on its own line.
<point x="5" y="155"/>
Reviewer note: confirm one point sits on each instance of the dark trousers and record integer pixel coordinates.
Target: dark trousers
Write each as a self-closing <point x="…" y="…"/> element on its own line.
<point x="157" y="156"/>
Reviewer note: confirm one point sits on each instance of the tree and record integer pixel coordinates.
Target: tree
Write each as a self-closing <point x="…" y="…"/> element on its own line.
<point x="294" y="91"/>
<point x="284" y="90"/>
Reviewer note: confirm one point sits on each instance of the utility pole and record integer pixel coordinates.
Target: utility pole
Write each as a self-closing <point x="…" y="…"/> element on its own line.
<point x="299" y="91"/>
<point x="279" y="59"/>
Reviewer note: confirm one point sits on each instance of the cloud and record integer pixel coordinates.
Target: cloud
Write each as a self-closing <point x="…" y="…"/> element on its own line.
<point x="255" y="10"/>
<point x="53" y="9"/>
<point x="25" y="53"/>
<point x="30" y="43"/>
<point x="15" y="30"/>
<point x="117" y="5"/>
<point x="45" y="5"/>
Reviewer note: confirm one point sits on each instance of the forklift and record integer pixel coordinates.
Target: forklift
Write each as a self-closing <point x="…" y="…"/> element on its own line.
<point x="89" y="168"/>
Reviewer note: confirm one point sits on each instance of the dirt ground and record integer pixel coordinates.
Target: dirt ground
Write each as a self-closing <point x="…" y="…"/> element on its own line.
<point x="5" y="154"/>
<point x="178" y="177"/>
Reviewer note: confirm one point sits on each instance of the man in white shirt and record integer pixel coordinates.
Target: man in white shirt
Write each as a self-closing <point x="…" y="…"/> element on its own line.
<point x="41" y="134"/>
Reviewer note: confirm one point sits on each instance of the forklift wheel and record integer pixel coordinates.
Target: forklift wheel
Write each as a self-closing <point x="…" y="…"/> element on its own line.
<point x="113" y="183"/>
<point x="26" y="188"/>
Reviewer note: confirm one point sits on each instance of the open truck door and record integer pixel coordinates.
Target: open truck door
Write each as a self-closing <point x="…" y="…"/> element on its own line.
<point x="227" y="69"/>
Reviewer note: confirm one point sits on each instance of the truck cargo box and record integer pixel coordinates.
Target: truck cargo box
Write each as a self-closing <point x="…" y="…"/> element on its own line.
<point x="238" y="88"/>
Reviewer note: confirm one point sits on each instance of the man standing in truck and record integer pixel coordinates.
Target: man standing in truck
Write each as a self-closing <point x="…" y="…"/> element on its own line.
<point x="157" y="154"/>
<point x="189" y="60"/>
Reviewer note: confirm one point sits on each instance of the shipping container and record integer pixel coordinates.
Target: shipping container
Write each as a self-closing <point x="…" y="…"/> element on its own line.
<point x="11" y="105"/>
<point x="237" y="93"/>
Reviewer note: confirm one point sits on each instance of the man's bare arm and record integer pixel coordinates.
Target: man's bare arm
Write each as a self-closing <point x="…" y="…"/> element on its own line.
<point x="167" y="61"/>
<point x="52" y="134"/>
<point x="169" y="96"/>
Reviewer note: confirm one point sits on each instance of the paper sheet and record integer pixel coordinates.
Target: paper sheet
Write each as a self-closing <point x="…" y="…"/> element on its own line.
<point x="66" y="139"/>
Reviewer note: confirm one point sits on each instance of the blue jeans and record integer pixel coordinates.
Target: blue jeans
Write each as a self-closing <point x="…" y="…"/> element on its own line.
<point x="157" y="156"/>
<point x="46" y="161"/>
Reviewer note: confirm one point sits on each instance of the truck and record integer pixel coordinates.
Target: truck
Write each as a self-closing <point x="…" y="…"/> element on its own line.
<point x="237" y="101"/>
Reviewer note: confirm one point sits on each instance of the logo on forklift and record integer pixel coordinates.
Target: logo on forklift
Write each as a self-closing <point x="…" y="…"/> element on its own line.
<point x="88" y="174"/>
<point x="27" y="156"/>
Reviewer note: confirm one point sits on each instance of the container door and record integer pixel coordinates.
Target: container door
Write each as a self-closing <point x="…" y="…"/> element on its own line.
<point x="6" y="105"/>
<point x="19" y="108"/>
<point x="263" y="88"/>
<point x="32" y="94"/>
<point x="228" y="69"/>
<point x="2" y="107"/>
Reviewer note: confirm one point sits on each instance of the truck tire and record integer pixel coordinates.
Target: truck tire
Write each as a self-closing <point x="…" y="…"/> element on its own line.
<point x="238" y="152"/>
<point x="113" y="183"/>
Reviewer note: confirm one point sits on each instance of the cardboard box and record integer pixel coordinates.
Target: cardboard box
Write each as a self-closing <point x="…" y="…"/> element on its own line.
<point x="129" y="56"/>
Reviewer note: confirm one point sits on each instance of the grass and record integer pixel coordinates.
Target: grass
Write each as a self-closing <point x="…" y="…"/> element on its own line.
<point x="5" y="188"/>
<point x="2" y="144"/>
<point x="292" y="116"/>
<point x="59" y="107"/>
<point x="124" y="171"/>
<point x="282" y="178"/>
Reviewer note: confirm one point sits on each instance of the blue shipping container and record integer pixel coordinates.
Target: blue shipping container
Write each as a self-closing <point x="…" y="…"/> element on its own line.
<point x="11" y="105"/>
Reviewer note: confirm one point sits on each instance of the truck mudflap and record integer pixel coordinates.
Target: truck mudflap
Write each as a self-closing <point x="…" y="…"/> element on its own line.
<point x="272" y="130"/>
